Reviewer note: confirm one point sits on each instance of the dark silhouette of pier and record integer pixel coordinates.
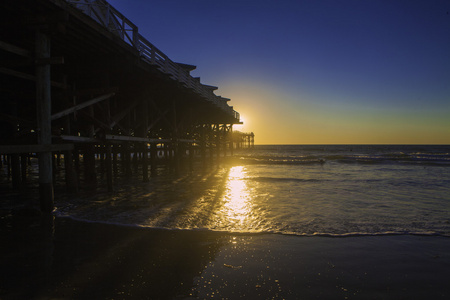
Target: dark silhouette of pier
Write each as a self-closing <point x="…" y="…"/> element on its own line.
<point x="77" y="80"/>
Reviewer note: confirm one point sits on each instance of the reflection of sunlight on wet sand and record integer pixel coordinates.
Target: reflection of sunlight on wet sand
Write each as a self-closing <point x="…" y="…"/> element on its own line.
<point x="236" y="212"/>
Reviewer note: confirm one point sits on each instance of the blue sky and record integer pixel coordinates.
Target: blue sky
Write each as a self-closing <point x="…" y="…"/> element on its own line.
<point x="315" y="72"/>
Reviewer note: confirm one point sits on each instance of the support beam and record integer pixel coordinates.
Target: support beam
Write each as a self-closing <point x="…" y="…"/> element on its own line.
<point x="14" y="49"/>
<point x="157" y="119"/>
<point x="26" y="76"/>
<point x="117" y="118"/>
<point x="126" y="138"/>
<point x="113" y="137"/>
<point x="35" y="148"/>
<point x="81" y="106"/>
<point x="94" y="91"/>
<point x="78" y="139"/>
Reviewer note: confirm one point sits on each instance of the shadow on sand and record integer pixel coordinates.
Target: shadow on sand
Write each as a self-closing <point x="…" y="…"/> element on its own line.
<point x="77" y="260"/>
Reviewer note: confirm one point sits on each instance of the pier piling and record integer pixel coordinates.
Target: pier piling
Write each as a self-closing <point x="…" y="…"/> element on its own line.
<point x="84" y="92"/>
<point x="43" y="110"/>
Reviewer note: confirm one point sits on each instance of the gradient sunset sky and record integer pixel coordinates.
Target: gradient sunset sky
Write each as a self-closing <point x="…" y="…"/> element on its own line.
<point x="315" y="72"/>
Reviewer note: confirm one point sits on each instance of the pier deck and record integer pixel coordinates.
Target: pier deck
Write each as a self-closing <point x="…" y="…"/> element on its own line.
<point x="78" y="79"/>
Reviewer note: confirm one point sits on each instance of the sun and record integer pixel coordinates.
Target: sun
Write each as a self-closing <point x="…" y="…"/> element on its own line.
<point x="240" y="127"/>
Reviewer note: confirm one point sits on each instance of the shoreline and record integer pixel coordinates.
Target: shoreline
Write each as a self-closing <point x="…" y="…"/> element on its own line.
<point x="76" y="260"/>
<point x="205" y="229"/>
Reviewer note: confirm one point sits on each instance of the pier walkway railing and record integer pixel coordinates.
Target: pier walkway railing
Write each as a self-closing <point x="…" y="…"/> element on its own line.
<point x="109" y="17"/>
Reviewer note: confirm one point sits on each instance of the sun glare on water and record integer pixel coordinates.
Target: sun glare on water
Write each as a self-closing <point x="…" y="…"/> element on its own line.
<point x="236" y="212"/>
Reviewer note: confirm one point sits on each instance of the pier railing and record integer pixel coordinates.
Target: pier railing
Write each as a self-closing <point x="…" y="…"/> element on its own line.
<point x="109" y="17"/>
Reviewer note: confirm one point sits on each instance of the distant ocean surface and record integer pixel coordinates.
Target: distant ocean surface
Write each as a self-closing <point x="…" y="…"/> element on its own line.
<point x="305" y="190"/>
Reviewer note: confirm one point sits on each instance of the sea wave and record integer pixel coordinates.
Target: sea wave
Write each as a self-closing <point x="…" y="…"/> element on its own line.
<point x="390" y="158"/>
<point x="284" y="179"/>
<point x="280" y="160"/>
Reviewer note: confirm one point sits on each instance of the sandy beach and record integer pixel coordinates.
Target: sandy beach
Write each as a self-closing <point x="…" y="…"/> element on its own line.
<point x="80" y="260"/>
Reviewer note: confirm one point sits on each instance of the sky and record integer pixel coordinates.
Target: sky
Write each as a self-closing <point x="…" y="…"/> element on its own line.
<point x="315" y="72"/>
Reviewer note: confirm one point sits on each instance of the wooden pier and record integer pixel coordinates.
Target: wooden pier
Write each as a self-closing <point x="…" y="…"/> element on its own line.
<point x="243" y="139"/>
<point x="78" y="81"/>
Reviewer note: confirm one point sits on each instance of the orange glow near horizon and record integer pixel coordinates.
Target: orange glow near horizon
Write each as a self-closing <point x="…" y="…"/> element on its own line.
<point x="279" y="118"/>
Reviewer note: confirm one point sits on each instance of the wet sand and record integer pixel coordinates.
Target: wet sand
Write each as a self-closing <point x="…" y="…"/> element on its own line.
<point x="78" y="260"/>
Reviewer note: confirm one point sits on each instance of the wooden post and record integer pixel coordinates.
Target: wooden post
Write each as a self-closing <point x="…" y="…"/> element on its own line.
<point x="167" y="155"/>
<point x="58" y="159"/>
<point x="218" y="146"/>
<point x="15" y="171"/>
<point x="224" y="139"/>
<point x="108" y="147"/>
<point x="24" y="166"/>
<point x="8" y="165"/>
<point x="153" y="154"/>
<point x="210" y="143"/>
<point x="176" y="155"/>
<point x="122" y="158"/>
<point x="102" y="156"/>
<point x="71" y="175"/>
<point x="109" y="175"/>
<point x="181" y="155"/>
<point x="43" y="112"/>
<point x="76" y="160"/>
<point x="126" y="153"/>
<point x="203" y="146"/>
<point x="231" y="140"/>
<point x="125" y="157"/>
<point x="89" y="155"/>
<point x="54" y="167"/>
<point x="175" y="145"/>
<point x="145" y="162"/>
<point x="191" y="156"/>
<point x="89" y="164"/>
<point x="135" y="159"/>
<point x="114" y="158"/>
<point x="225" y="144"/>
<point x="144" y="145"/>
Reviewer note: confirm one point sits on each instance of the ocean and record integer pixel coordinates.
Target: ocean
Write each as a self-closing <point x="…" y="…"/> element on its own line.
<point x="273" y="222"/>
<point x="301" y="190"/>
